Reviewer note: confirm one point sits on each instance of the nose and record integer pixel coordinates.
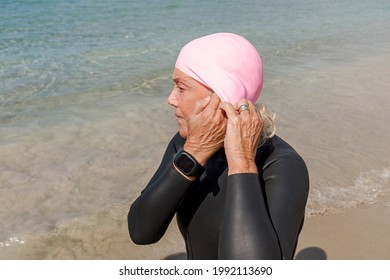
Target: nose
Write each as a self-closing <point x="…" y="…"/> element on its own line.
<point x="172" y="99"/>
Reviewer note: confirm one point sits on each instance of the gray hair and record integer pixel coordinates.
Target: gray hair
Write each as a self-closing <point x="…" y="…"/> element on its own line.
<point x="268" y="116"/>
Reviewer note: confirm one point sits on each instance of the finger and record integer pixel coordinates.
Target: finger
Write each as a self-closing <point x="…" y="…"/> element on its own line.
<point x="240" y="102"/>
<point x="243" y="106"/>
<point x="252" y="108"/>
<point x="244" y="109"/>
<point x="214" y="102"/>
<point x="230" y="111"/>
<point x="256" y="116"/>
<point x="256" y="113"/>
<point x="200" y="105"/>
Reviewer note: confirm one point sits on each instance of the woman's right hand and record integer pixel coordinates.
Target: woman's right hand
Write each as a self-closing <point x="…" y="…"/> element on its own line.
<point x="206" y="129"/>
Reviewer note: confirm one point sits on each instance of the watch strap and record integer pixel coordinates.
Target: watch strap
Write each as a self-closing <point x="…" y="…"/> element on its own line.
<point x="187" y="164"/>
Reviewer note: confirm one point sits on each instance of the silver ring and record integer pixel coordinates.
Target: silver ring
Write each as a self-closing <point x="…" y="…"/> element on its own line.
<point x="243" y="107"/>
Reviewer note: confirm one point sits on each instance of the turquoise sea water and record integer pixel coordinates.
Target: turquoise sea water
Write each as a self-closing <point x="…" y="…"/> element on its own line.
<point x="84" y="121"/>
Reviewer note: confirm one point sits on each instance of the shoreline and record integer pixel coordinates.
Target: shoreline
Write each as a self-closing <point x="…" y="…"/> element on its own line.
<point x="361" y="233"/>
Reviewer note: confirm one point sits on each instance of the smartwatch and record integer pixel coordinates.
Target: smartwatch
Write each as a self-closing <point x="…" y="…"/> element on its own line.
<point x="187" y="164"/>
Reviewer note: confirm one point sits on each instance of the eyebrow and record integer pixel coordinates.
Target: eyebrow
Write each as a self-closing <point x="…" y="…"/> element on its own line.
<point x="184" y="80"/>
<point x="181" y="80"/>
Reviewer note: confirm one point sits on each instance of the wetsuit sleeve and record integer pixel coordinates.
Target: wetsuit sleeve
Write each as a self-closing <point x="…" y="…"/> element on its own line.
<point x="151" y="213"/>
<point x="246" y="229"/>
<point x="264" y="223"/>
<point x="287" y="190"/>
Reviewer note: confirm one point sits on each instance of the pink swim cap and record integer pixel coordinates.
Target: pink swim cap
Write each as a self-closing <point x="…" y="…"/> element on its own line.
<point x="227" y="63"/>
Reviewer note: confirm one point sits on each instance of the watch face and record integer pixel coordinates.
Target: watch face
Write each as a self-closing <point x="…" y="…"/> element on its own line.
<point x="185" y="163"/>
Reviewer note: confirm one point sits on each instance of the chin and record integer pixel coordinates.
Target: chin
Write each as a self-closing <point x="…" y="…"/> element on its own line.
<point x="183" y="132"/>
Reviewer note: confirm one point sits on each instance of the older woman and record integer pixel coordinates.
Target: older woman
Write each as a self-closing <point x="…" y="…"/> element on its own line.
<point x="236" y="192"/>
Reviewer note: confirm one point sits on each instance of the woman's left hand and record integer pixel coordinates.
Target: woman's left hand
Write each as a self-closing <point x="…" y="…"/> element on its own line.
<point x="243" y="131"/>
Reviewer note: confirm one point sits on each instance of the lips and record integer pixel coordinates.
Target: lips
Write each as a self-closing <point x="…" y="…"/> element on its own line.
<point x="179" y="119"/>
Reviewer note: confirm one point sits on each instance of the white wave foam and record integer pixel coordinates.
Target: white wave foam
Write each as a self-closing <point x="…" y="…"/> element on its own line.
<point x="366" y="189"/>
<point x="11" y="241"/>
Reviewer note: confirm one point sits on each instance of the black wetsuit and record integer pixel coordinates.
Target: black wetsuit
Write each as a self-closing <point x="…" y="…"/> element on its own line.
<point x="241" y="216"/>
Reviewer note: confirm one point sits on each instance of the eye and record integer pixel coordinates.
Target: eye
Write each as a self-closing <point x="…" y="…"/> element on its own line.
<point x="180" y="87"/>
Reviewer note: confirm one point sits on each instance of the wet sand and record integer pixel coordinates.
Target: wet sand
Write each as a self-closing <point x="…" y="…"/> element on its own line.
<point x="358" y="234"/>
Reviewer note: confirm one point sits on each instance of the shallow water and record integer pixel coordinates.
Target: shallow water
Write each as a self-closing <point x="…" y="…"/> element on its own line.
<point x="84" y="119"/>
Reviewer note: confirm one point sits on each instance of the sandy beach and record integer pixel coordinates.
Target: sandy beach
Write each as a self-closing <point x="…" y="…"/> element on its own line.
<point x="358" y="234"/>
<point x="85" y="121"/>
<point x="361" y="233"/>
